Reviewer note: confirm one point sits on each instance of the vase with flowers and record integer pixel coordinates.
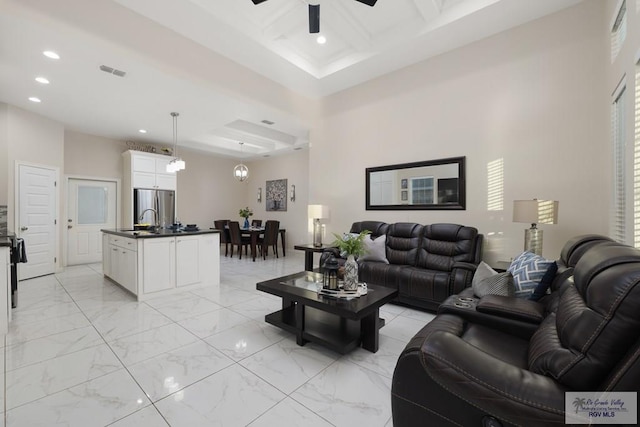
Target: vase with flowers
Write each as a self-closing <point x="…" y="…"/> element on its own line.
<point x="245" y="213"/>
<point x="351" y="245"/>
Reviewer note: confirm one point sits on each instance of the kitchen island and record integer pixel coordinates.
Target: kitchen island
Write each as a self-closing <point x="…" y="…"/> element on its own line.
<point x="150" y="264"/>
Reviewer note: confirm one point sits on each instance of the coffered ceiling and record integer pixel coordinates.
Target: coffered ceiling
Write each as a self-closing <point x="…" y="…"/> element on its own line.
<point x="271" y="39"/>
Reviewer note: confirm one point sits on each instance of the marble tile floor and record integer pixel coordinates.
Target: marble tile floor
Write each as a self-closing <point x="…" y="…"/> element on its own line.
<point x="83" y="352"/>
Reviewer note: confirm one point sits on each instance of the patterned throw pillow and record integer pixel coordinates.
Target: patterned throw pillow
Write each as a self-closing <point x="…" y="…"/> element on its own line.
<point x="486" y="281"/>
<point x="528" y="269"/>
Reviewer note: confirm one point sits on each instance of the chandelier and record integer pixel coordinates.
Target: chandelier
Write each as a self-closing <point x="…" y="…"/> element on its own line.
<point x="241" y="171"/>
<point x="176" y="164"/>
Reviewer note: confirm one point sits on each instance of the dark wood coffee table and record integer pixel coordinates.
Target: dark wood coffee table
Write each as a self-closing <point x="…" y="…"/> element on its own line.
<point x="338" y="324"/>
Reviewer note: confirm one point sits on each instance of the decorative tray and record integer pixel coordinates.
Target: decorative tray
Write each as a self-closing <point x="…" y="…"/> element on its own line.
<point x="341" y="293"/>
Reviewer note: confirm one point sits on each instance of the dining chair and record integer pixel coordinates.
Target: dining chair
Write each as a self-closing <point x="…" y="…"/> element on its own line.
<point x="237" y="240"/>
<point x="221" y="224"/>
<point x="256" y="223"/>
<point x="271" y="230"/>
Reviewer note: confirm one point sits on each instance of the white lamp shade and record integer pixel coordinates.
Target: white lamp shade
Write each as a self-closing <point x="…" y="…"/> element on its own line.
<point x="535" y="211"/>
<point x="318" y="211"/>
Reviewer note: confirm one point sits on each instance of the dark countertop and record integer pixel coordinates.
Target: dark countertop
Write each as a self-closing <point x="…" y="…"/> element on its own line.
<point x="5" y="238"/>
<point x="148" y="234"/>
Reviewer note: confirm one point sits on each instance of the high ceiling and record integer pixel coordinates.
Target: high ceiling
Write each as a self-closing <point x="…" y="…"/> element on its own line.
<point x="175" y="54"/>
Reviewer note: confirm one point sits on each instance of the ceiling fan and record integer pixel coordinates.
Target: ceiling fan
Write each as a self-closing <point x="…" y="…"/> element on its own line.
<point x="314" y="13"/>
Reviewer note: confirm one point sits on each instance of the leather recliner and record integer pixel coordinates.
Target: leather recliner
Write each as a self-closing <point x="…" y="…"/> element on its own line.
<point x="519" y="316"/>
<point x="427" y="263"/>
<point x="455" y="372"/>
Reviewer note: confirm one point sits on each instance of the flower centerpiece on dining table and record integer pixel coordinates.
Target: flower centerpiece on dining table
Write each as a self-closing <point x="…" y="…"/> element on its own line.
<point x="351" y="245"/>
<point x="245" y="213"/>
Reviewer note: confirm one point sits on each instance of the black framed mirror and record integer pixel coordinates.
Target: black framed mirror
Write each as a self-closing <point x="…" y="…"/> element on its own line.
<point x="428" y="185"/>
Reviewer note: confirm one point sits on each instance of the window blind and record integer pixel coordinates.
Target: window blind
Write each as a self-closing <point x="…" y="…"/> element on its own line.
<point x="618" y="217"/>
<point x="636" y="165"/>
<point x="619" y="30"/>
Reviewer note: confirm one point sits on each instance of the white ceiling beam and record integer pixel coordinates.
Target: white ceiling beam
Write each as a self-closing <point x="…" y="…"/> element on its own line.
<point x="337" y="17"/>
<point x="429" y="9"/>
<point x="286" y="23"/>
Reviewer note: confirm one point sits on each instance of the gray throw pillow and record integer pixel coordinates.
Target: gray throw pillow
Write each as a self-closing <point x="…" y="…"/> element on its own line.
<point x="375" y="250"/>
<point x="486" y="281"/>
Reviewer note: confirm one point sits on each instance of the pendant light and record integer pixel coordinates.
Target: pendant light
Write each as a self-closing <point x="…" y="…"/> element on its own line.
<point x="241" y="171"/>
<point x="176" y="164"/>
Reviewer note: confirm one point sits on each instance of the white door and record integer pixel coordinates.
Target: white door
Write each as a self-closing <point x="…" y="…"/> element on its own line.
<point x="91" y="206"/>
<point x="37" y="219"/>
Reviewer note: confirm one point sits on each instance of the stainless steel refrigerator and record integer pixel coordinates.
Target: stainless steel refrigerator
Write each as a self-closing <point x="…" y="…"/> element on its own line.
<point x="145" y="202"/>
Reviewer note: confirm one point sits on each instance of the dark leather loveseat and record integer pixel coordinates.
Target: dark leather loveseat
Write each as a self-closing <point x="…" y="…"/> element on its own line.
<point x="460" y="371"/>
<point x="427" y="263"/>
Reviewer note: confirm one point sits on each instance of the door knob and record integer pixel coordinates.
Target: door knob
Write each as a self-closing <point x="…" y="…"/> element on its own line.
<point x="24" y="228"/>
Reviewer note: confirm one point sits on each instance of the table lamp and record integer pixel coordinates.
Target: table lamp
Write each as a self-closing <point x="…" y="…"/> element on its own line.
<point x="317" y="212"/>
<point x="535" y="212"/>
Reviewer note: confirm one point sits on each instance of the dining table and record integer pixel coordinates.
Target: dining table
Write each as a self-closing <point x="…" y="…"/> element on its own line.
<point x="255" y="232"/>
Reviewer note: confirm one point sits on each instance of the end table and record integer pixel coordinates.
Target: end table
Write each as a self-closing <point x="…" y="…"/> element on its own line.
<point x="309" y="250"/>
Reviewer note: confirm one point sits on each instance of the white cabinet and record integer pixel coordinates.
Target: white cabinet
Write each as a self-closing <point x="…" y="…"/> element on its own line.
<point x="150" y="171"/>
<point x="120" y="262"/>
<point x="188" y="258"/>
<point x="158" y="264"/>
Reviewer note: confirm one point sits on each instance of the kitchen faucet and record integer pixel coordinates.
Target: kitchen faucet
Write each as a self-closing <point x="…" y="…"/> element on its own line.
<point x="155" y="225"/>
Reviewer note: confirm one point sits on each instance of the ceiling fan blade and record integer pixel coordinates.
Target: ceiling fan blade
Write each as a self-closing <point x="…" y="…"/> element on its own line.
<point x="260" y="1"/>
<point x="367" y="2"/>
<point x="314" y="18"/>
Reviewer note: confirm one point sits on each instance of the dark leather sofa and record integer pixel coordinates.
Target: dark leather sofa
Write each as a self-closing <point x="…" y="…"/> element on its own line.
<point x="427" y="263"/>
<point x="471" y="371"/>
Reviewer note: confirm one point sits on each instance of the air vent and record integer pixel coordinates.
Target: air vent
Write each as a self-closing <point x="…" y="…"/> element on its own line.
<point x="267" y="122"/>
<point x="113" y="71"/>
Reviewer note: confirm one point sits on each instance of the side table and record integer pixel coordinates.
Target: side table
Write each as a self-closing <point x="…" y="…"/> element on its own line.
<point x="500" y="266"/>
<point x="309" y="250"/>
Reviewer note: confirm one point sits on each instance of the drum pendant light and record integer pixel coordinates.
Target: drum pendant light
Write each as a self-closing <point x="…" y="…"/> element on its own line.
<point x="241" y="171"/>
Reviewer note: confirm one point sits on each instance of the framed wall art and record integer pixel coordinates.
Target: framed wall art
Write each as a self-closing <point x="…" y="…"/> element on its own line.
<point x="276" y="195"/>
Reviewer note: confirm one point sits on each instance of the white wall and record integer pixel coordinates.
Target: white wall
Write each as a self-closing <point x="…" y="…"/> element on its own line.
<point x="4" y="153"/>
<point x="531" y="96"/>
<point x="90" y="155"/>
<point x="294" y="168"/>
<point x="207" y="190"/>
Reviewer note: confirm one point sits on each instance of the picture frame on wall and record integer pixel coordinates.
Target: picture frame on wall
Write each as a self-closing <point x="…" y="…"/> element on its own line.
<point x="276" y="195"/>
<point x="404" y="196"/>
<point x="404" y="183"/>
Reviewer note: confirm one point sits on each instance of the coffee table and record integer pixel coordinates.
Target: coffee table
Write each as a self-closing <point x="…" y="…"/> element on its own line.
<point x="336" y="323"/>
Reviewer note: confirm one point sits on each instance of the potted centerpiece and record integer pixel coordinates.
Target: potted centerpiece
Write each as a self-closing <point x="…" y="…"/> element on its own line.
<point x="245" y="213"/>
<point x="351" y="245"/>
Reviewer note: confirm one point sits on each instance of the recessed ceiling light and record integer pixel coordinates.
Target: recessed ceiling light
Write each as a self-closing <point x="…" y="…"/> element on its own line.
<point x="42" y="80"/>
<point x="34" y="99"/>
<point x="321" y="39"/>
<point x="142" y="131"/>
<point x="51" y="54"/>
